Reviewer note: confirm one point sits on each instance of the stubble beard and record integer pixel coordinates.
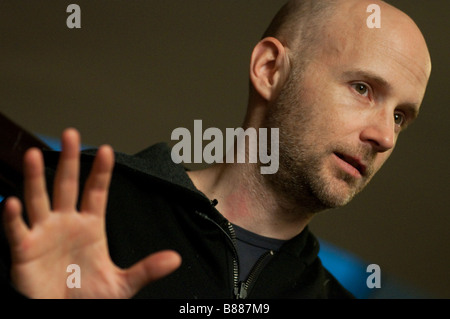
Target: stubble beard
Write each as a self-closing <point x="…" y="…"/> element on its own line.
<point x="303" y="178"/>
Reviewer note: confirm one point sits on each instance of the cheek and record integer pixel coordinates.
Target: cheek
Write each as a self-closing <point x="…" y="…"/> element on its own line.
<point x="349" y="116"/>
<point x="339" y="118"/>
<point x="322" y="113"/>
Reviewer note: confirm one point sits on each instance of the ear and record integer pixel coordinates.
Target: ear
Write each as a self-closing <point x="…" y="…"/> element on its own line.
<point x="269" y="67"/>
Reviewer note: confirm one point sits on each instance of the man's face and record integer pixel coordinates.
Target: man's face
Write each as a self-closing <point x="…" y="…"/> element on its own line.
<point x="340" y="118"/>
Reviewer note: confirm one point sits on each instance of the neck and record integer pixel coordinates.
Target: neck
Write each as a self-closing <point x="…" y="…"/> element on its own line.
<point x="246" y="199"/>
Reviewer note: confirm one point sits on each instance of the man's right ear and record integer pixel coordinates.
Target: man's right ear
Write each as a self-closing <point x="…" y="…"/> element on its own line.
<point x="269" y="67"/>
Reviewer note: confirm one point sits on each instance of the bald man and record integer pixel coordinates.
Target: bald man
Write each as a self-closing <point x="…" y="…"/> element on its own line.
<point x="340" y="93"/>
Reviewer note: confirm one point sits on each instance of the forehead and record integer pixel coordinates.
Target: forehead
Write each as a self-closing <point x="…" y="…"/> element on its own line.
<point x="398" y="37"/>
<point x="396" y="52"/>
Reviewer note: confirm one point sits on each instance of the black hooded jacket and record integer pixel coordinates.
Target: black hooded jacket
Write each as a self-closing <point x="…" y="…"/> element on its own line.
<point x="153" y="205"/>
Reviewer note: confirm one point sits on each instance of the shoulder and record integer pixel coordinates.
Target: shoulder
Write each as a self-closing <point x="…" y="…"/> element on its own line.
<point x="333" y="289"/>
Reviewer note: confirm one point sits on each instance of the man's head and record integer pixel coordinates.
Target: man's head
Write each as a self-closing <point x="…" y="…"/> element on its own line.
<point x="340" y="93"/>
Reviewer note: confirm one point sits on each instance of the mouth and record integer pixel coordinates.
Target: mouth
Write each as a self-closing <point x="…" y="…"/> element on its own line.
<point x="351" y="164"/>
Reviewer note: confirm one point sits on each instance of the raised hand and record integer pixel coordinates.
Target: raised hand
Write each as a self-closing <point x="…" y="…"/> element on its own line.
<point x="58" y="235"/>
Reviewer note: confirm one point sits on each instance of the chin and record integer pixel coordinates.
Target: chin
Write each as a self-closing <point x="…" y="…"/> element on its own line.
<point x="334" y="194"/>
<point x="330" y="201"/>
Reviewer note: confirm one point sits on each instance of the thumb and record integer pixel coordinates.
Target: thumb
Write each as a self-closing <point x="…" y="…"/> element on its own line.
<point x="152" y="268"/>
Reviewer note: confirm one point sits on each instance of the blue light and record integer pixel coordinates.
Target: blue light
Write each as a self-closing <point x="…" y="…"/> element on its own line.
<point x="348" y="269"/>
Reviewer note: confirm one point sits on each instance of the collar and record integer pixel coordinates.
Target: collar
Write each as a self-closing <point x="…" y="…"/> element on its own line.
<point x="156" y="162"/>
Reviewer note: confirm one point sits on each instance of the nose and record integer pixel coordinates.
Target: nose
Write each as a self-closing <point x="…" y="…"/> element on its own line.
<point x="379" y="132"/>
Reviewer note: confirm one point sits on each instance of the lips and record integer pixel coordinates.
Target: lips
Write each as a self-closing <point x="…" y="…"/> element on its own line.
<point x="352" y="161"/>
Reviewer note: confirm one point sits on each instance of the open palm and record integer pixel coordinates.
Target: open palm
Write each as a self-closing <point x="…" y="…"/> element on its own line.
<point x="58" y="235"/>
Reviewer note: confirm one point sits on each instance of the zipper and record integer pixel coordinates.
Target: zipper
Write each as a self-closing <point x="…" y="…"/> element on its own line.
<point x="241" y="289"/>
<point x="231" y="235"/>
<point x="245" y="286"/>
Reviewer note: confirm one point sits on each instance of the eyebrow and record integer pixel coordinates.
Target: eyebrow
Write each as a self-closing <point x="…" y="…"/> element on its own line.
<point x="411" y="108"/>
<point x="368" y="75"/>
<point x="413" y="111"/>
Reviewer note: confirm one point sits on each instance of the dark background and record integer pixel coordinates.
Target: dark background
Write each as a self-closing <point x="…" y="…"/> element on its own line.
<point x="137" y="70"/>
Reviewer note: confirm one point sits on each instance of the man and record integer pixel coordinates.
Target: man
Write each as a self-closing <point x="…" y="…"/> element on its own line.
<point x="340" y="94"/>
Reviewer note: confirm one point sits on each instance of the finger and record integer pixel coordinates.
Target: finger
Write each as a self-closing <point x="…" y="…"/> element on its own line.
<point x="95" y="194"/>
<point x="36" y="198"/>
<point x="152" y="268"/>
<point x="15" y="228"/>
<point x="67" y="173"/>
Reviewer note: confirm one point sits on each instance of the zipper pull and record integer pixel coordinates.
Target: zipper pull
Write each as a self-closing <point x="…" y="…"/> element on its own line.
<point x="242" y="291"/>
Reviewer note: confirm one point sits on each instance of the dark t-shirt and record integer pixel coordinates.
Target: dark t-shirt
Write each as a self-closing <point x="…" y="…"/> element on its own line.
<point x="251" y="247"/>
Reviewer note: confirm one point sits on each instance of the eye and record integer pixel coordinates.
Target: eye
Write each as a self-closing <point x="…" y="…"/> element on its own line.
<point x="361" y="89"/>
<point x="399" y="119"/>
